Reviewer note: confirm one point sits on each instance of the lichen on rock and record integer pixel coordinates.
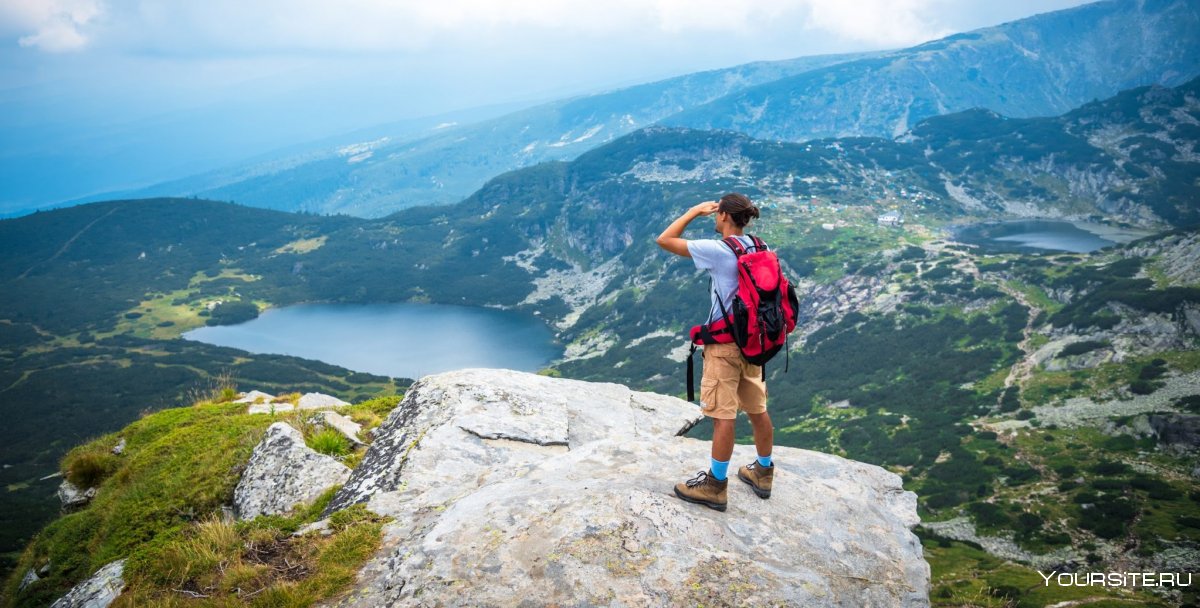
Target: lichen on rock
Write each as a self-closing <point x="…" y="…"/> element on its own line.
<point x="282" y="473"/>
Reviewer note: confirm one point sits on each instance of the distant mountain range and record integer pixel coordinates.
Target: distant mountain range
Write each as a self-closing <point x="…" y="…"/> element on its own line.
<point x="376" y="176"/>
<point x="1040" y="66"/>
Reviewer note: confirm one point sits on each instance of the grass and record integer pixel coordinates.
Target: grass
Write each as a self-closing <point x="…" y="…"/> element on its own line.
<point x="303" y="245"/>
<point x="329" y="442"/>
<point x="158" y="504"/>
<point x="964" y="575"/>
<point x="179" y="466"/>
<point x="256" y="563"/>
<point x="159" y="309"/>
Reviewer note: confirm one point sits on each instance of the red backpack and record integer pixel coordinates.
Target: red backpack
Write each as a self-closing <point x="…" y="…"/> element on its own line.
<point x="764" y="310"/>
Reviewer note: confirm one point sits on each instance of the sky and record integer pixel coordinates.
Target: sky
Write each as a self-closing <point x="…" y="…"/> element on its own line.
<point x="110" y="94"/>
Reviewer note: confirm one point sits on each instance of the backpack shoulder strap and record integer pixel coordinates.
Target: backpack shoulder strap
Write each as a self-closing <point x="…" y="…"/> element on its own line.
<point x="738" y="249"/>
<point x="759" y="245"/>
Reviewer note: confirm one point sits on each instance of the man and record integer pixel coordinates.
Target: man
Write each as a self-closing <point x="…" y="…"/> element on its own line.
<point x="729" y="382"/>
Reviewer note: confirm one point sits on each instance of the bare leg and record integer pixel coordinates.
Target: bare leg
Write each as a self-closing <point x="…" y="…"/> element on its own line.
<point x="722" y="441"/>
<point x="764" y="433"/>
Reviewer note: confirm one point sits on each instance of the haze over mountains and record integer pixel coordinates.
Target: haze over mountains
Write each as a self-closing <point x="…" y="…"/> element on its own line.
<point x="1039" y="66"/>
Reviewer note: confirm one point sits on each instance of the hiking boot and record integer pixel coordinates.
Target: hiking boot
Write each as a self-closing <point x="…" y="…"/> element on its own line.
<point x="703" y="489"/>
<point x="759" y="478"/>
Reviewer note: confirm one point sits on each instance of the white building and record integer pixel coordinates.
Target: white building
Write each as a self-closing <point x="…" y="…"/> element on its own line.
<point x="891" y="218"/>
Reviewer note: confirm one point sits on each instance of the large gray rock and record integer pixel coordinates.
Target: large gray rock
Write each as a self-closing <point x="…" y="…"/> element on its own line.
<point x="282" y="473"/>
<point x="510" y="488"/>
<point x="96" y="592"/>
<point x="461" y="428"/>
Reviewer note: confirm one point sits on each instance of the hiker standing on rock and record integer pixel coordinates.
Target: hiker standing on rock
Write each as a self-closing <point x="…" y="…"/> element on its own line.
<point x="730" y="383"/>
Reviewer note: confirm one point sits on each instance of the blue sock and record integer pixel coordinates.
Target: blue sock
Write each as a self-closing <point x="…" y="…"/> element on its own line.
<point x="764" y="461"/>
<point x="719" y="469"/>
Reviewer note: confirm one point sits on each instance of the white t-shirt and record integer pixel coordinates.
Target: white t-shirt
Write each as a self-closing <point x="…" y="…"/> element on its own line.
<point x="721" y="263"/>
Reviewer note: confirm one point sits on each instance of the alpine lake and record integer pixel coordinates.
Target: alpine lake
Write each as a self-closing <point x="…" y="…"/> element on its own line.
<point x="397" y="340"/>
<point x="1042" y="236"/>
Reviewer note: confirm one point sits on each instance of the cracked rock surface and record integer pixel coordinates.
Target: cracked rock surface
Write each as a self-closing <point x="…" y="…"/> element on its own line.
<point x="455" y="429"/>
<point x="510" y="488"/>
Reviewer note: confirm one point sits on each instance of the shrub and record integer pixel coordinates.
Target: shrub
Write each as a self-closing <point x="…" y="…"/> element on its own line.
<point x="1109" y="467"/>
<point x="1066" y="470"/>
<point x="1079" y="348"/>
<point x="88" y="465"/>
<point x="1189" y="403"/>
<point x="1142" y="387"/>
<point x="1152" y="372"/>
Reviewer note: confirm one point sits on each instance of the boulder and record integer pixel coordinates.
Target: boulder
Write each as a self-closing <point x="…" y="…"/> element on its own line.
<point x="72" y="496"/>
<point x="254" y="397"/>
<point x="506" y="485"/>
<point x="316" y="401"/>
<point x="282" y="473"/>
<point x="463" y="427"/>
<point x="119" y="448"/>
<point x="98" y="591"/>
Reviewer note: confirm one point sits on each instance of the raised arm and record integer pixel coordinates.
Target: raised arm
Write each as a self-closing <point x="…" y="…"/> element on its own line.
<point x="672" y="239"/>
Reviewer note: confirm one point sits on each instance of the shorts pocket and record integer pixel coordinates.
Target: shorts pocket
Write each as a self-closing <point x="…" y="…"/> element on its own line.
<point x="708" y="391"/>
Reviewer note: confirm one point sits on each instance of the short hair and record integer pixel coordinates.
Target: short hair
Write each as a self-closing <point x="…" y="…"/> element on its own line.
<point x="739" y="208"/>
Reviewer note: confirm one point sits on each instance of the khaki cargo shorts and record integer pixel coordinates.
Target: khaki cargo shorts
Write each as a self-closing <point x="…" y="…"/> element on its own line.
<point x="730" y="383"/>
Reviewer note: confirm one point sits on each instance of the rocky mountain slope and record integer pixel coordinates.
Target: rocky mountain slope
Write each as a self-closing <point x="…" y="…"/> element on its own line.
<point x="1039" y="66"/>
<point x="497" y="484"/>
<point x="377" y="176"/>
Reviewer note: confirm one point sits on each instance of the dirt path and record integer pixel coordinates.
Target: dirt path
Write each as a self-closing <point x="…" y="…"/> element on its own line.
<point x="1022" y="370"/>
<point x="67" y="245"/>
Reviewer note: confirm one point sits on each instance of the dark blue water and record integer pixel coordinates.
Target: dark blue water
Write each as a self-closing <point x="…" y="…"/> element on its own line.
<point x="1027" y="236"/>
<point x="397" y="340"/>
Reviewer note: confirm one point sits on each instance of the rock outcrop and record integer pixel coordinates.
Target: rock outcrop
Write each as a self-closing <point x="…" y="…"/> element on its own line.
<point x="72" y="496"/>
<point x="96" y="592"/>
<point x="315" y="401"/>
<point x="507" y="487"/>
<point x="282" y="473"/>
<point x="264" y="403"/>
<point x="1181" y="432"/>
<point x="463" y="428"/>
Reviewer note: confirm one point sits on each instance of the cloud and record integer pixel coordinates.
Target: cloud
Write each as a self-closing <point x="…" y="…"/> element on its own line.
<point x="272" y="26"/>
<point x="50" y="25"/>
<point x="882" y="22"/>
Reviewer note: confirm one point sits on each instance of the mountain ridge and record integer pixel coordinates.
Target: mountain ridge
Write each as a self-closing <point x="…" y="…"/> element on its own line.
<point x="1069" y="57"/>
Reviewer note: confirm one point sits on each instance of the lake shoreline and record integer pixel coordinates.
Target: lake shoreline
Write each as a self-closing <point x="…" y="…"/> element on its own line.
<point x="1116" y="234"/>
<point x="395" y="339"/>
<point x="1041" y="235"/>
